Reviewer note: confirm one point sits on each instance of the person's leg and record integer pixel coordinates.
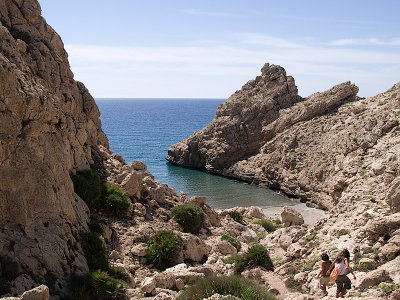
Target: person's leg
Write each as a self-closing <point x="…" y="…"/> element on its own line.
<point x="346" y="285"/>
<point x="339" y="286"/>
<point x="323" y="288"/>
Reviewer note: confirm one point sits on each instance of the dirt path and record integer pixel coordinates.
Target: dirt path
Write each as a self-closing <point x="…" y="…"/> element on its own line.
<point x="276" y="282"/>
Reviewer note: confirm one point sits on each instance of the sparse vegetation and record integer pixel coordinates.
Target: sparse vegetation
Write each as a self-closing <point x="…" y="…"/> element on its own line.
<point x="234" y="242"/>
<point x="95" y="251"/>
<point x="237" y="216"/>
<point x="96" y="286"/>
<point x="107" y="197"/>
<point x="256" y="256"/>
<point x="311" y="236"/>
<point x="370" y="197"/>
<point x="261" y="237"/>
<point x="87" y="186"/>
<point x="96" y="226"/>
<point x="190" y="217"/>
<point x="116" y="200"/>
<point x="267" y="224"/>
<point x="388" y="287"/>
<point x="308" y="265"/>
<point x="227" y="285"/>
<point x="276" y="258"/>
<point x="119" y="273"/>
<point x="162" y="247"/>
<point x="233" y="259"/>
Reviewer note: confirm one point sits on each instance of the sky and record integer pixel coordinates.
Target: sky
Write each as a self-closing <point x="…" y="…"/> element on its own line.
<point x="210" y="48"/>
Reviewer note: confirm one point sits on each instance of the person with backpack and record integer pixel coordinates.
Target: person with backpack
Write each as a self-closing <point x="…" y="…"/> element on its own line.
<point x="324" y="277"/>
<point x="341" y="266"/>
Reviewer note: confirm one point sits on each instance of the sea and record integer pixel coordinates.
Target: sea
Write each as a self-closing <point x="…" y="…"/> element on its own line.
<point x="144" y="129"/>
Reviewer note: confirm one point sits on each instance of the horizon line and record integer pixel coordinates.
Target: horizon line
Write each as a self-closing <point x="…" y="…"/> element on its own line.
<point x="159" y="98"/>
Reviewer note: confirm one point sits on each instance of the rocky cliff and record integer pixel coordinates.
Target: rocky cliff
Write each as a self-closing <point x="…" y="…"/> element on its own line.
<point x="49" y="124"/>
<point x="311" y="148"/>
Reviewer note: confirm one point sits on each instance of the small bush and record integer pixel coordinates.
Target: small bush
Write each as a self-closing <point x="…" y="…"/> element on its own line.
<point x="163" y="247"/>
<point x="116" y="200"/>
<point x="256" y="256"/>
<point x="96" y="226"/>
<point x="119" y="273"/>
<point x="234" y="242"/>
<point x="233" y="259"/>
<point x="267" y="224"/>
<point x="95" y="251"/>
<point x="87" y="186"/>
<point x="237" y="216"/>
<point x="96" y="286"/>
<point x="190" y="217"/>
<point x="236" y="286"/>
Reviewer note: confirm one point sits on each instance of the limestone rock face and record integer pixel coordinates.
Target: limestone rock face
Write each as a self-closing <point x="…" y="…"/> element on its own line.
<point x="49" y="124"/>
<point x="236" y="129"/>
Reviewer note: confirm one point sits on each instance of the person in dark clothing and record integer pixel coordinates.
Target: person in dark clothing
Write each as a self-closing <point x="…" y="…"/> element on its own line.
<point x="343" y="282"/>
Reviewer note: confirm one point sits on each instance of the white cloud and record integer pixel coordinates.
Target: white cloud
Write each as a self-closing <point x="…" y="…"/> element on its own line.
<point x="365" y="42"/>
<point x="218" y="68"/>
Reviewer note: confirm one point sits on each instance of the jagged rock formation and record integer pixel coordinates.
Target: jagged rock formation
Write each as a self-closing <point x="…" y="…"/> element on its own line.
<point x="49" y="124"/>
<point x="237" y="128"/>
<point x="313" y="149"/>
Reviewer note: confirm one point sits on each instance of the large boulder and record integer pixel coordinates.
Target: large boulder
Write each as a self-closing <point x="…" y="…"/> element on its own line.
<point x="290" y="216"/>
<point x="373" y="278"/>
<point x="194" y="248"/>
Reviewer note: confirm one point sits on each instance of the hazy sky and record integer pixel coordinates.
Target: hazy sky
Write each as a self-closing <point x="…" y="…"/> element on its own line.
<point x="210" y="48"/>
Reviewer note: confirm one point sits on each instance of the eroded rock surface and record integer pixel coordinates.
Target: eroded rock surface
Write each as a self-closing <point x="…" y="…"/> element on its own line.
<point x="49" y="124"/>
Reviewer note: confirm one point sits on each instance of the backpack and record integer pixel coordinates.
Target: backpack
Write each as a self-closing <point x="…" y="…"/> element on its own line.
<point x="334" y="274"/>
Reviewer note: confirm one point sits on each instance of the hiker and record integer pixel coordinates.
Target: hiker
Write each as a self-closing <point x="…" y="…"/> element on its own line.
<point x="323" y="274"/>
<point x="341" y="263"/>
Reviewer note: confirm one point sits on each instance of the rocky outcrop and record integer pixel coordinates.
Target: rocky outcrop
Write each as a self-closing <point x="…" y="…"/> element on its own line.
<point x="236" y="129"/>
<point x="313" y="149"/>
<point x="49" y="124"/>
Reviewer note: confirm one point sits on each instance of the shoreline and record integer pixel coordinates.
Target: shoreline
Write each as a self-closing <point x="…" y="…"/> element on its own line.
<point x="309" y="214"/>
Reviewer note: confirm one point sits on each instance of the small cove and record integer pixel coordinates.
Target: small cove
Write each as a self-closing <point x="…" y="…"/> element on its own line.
<point x="143" y="129"/>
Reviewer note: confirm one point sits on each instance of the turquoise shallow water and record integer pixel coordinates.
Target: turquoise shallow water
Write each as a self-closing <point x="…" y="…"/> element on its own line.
<point x="144" y="129"/>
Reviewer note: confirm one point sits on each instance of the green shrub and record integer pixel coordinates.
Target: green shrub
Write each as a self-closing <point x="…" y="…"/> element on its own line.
<point x="256" y="256"/>
<point x="234" y="242"/>
<point x="95" y="251"/>
<point x="96" y="286"/>
<point x="267" y="224"/>
<point x="96" y="226"/>
<point x="87" y="186"/>
<point x="119" y="273"/>
<point x="116" y="200"/>
<point x="163" y="247"/>
<point x="190" y="217"/>
<point x="237" y="216"/>
<point x="236" y="286"/>
<point x="233" y="259"/>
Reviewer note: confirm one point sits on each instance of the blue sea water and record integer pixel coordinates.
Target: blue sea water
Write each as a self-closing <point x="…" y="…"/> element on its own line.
<point x="144" y="129"/>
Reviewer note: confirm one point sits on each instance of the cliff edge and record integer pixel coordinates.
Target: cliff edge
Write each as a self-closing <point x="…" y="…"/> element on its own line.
<point x="49" y="124"/>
